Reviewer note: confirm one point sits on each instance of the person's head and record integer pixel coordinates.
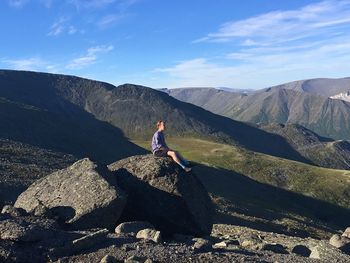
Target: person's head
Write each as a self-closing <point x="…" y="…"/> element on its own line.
<point x="161" y="125"/>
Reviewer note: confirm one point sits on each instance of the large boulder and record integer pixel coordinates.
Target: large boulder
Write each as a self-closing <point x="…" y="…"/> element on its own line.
<point x="161" y="193"/>
<point x="84" y="195"/>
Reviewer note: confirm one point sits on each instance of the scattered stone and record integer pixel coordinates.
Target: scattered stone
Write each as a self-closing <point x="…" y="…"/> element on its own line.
<point x="328" y="253"/>
<point x="202" y="245"/>
<point x="276" y="248"/>
<point x="108" y="259"/>
<point x="135" y="259"/>
<point x="160" y="192"/>
<point x="301" y="250"/>
<point x="252" y="242"/>
<point x="225" y="244"/>
<point x="346" y="233"/>
<point x="340" y="242"/>
<point x="132" y="227"/>
<point x="82" y="195"/>
<point x="13" y="211"/>
<point x="150" y="234"/>
<point x="42" y="210"/>
<point x="80" y="244"/>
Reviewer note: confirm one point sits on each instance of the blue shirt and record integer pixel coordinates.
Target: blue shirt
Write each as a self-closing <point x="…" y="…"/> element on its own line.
<point x="158" y="141"/>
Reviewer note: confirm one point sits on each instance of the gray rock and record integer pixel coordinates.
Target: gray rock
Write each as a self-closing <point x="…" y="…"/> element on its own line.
<point x="340" y="242"/>
<point x="202" y="245"/>
<point x="82" y="195"/>
<point x="26" y="229"/>
<point x="150" y="234"/>
<point x="328" y="253"/>
<point x="301" y="250"/>
<point x="80" y="244"/>
<point x="160" y="192"/>
<point x="251" y="241"/>
<point x="346" y="233"/>
<point x="132" y="227"/>
<point x="108" y="259"/>
<point x="13" y="211"/>
<point x="136" y="259"/>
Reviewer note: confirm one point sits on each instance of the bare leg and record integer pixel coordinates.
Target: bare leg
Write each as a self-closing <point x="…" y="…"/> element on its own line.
<point x="175" y="157"/>
<point x="178" y="155"/>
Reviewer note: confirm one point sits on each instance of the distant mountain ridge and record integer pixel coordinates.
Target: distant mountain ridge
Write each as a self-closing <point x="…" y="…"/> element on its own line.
<point x="325" y="87"/>
<point x="296" y="102"/>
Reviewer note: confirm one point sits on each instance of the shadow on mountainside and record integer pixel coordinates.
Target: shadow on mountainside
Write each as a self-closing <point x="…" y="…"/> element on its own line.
<point x="262" y="205"/>
<point x="74" y="131"/>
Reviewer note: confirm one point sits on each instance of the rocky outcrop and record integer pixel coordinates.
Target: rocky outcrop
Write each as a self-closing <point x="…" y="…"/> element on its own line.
<point x="83" y="195"/>
<point x="160" y="192"/>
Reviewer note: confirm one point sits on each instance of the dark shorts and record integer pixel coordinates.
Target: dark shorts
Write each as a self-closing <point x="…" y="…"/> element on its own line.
<point x="161" y="153"/>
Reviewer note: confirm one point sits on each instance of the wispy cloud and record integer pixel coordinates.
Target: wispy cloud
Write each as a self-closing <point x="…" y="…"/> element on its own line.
<point x="47" y="3"/>
<point x="62" y="26"/>
<point x="17" y="3"/>
<point x="32" y="64"/>
<point x="271" y="48"/>
<point x="92" y="4"/>
<point x="89" y="58"/>
<point x="264" y="66"/>
<point x="110" y="20"/>
<point x="285" y="26"/>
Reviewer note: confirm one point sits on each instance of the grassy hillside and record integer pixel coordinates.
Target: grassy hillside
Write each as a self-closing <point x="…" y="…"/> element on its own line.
<point x="256" y="183"/>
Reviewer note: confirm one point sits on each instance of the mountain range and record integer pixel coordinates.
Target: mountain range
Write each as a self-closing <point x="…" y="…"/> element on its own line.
<point x="307" y="103"/>
<point x="81" y="116"/>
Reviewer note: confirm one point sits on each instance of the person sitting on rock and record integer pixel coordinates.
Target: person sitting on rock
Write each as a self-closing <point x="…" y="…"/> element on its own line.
<point x="161" y="149"/>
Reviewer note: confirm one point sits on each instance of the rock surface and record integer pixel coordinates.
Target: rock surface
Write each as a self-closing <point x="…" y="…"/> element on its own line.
<point x="132" y="228"/>
<point x="26" y="229"/>
<point x="82" y="196"/>
<point x="160" y="192"/>
<point x="150" y="234"/>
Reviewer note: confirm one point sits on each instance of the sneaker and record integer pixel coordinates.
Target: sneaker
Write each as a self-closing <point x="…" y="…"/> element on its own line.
<point x="187" y="169"/>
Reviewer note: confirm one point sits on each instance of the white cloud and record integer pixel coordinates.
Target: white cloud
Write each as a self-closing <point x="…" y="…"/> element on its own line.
<point x="285" y="26"/>
<point x="273" y="48"/>
<point x="62" y="26"/>
<point x="89" y="58"/>
<point x="72" y="30"/>
<point x="47" y="3"/>
<point x="17" y="3"/>
<point x="263" y="66"/>
<point x="109" y="20"/>
<point x="32" y="64"/>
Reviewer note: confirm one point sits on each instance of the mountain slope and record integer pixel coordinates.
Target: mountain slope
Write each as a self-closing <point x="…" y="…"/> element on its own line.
<point x="327" y="117"/>
<point x="322" y="151"/>
<point x="133" y="109"/>
<point x="321" y="86"/>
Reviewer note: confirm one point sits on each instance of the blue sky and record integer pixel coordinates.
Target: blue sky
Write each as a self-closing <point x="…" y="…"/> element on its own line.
<point x="182" y="43"/>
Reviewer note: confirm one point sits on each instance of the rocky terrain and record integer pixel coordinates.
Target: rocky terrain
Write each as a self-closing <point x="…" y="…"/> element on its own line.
<point x="90" y="213"/>
<point x="21" y="164"/>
